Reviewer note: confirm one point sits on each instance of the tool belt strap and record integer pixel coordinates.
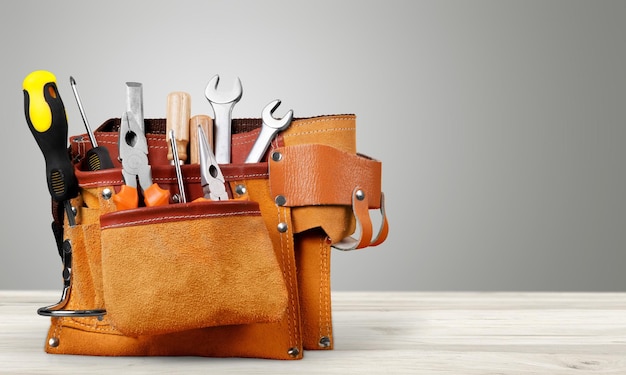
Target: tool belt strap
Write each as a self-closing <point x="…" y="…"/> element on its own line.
<point x="317" y="174"/>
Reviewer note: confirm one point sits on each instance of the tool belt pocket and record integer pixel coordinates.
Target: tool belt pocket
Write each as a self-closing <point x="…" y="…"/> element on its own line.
<point x="185" y="266"/>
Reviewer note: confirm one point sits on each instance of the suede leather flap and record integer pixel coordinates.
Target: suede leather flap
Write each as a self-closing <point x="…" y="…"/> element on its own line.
<point x="184" y="266"/>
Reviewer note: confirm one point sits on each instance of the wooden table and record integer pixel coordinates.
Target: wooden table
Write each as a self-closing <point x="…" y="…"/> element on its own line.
<point x="383" y="333"/>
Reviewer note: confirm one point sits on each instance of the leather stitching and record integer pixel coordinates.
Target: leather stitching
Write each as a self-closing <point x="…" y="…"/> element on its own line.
<point x="178" y="217"/>
<point x="95" y="327"/>
<point x="287" y="275"/>
<point x="322" y="270"/>
<point x="317" y="131"/>
<point x="328" y="119"/>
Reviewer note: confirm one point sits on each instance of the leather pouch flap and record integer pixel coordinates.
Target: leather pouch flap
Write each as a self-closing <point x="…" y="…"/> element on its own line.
<point x="184" y="266"/>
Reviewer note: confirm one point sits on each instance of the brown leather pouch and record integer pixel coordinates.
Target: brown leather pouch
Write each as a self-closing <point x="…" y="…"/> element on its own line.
<point x="185" y="266"/>
<point x="247" y="277"/>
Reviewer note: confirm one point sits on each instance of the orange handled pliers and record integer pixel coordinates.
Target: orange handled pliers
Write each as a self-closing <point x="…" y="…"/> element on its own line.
<point x="133" y="153"/>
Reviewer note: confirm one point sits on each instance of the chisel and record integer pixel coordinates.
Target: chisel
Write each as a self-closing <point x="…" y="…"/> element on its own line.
<point x="98" y="158"/>
<point x="47" y="120"/>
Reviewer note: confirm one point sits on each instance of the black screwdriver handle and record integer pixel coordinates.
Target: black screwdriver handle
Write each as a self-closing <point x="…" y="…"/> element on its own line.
<point x="98" y="157"/>
<point x="47" y="120"/>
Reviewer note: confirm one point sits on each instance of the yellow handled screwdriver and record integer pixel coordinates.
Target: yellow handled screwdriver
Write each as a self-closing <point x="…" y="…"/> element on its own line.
<point x="47" y="120"/>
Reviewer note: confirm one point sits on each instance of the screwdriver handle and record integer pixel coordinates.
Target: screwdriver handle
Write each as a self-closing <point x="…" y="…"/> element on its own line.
<point x="206" y="123"/>
<point x="177" y="119"/>
<point x="98" y="158"/>
<point x="47" y="121"/>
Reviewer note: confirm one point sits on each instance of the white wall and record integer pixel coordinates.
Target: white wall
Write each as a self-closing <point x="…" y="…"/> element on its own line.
<point x="501" y="124"/>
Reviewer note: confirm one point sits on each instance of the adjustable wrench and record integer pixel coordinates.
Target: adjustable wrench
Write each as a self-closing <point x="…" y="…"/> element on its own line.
<point x="270" y="127"/>
<point x="222" y="104"/>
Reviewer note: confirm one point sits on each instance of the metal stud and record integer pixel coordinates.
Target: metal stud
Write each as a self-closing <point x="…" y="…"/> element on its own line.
<point x="277" y="156"/>
<point x="282" y="227"/>
<point x="107" y="194"/>
<point x="100" y="318"/>
<point x="241" y="189"/>
<point x="176" y="198"/>
<point x="324" y="342"/>
<point x="360" y="195"/>
<point x="280" y="200"/>
<point x="293" y="352"/>
<point x="53" y="342"/>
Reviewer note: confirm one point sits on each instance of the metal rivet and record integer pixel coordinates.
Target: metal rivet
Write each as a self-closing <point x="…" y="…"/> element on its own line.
<point x="293" y="352"/>
<point x="241" y="189"/>
<point x="324" y="342"/>
<point x="280" y="200"/>
<point x="100" y="318"/>
<point x="107" y="194"/>
<point x="277" y="156"/>
<point x="53" y="342"/>
<point x="176" y="198"/>
<point x="360" y="195"/>
<point x="282" y="227"/>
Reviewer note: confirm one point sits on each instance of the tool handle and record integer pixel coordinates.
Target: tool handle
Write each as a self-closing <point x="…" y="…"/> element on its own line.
<point x="206" y="123"/>
<point x="98" y="158"/>
<point x="126" y="198"/>
<point x="177" y="119"/>
<point x="47" y="121"/>
<point x="155" y="196"/>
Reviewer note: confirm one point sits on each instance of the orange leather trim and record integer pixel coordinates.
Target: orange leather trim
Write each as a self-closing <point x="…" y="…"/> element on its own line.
<point x="313" y="262"/>
<point x="316" y="174"/>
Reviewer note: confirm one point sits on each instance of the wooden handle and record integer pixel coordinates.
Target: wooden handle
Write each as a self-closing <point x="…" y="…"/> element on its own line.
<point x="206" y="123"/>
<point x="177" y="118"/>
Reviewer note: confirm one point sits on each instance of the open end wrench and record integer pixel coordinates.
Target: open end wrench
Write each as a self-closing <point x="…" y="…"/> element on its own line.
<point x="222" y="103"/>
<point x="270" y="127"/>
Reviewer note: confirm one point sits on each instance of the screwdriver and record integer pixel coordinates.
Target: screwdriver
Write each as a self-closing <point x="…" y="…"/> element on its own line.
<point x="179" y="174"/>
<point x="206" y="123"/>
<point x="98" y="158"/>
<point x="177" y="119"/>
<point x="47" y="120"/>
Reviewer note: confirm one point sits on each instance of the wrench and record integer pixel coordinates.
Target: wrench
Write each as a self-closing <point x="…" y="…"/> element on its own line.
<point x="222" y="103"/>
<point x="270" y="127"/>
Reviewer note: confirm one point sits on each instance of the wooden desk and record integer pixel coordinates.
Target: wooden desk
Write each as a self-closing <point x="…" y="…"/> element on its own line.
<point x="383" y="333"/>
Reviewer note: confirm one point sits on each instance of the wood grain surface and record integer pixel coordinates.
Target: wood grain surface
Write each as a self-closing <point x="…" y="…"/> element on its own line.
<point x="382" y="333"/>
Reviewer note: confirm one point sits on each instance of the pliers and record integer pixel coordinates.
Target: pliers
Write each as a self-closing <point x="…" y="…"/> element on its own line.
<point x="133" y="153"/>
<point x="211" y="177"/>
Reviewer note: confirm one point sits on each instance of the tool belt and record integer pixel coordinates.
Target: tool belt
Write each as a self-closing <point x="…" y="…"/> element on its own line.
<point x="245" y="277"/>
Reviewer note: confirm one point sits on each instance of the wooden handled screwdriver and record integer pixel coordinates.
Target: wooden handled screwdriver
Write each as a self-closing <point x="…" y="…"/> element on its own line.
<point x="177" y="119"/>
<point x="206" y="123"/>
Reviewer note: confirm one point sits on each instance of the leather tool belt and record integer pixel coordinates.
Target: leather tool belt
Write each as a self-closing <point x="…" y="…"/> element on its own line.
<point x="246" y="277"/>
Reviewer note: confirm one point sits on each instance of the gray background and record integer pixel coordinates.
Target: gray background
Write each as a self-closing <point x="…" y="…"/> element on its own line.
<point x="501" y="125"/>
